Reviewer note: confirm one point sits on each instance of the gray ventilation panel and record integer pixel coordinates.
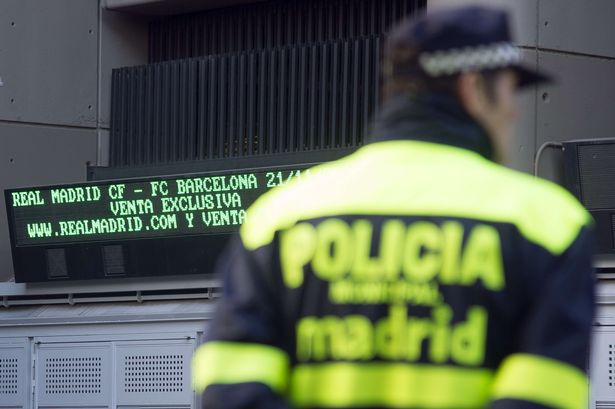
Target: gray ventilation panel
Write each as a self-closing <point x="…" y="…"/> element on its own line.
<point x="602" y="368"/>
<point x="77" y="375"/>
<point x="154" y="373"/>
<point x="14" y="372"/>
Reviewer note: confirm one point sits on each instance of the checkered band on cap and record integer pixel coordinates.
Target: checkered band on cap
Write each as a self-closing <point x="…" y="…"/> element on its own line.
<point x="477" y="58"/>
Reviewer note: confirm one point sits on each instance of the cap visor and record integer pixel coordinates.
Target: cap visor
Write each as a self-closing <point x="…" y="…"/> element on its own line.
<point x="529" y="77"/>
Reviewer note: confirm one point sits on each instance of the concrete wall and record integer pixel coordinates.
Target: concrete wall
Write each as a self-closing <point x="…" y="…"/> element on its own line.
<point x="55" y="68"/>
<point x="573" y="40"/>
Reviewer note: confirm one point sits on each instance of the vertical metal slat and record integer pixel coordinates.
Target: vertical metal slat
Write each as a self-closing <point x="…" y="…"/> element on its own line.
<point x="345" y="95"/>
<point x="283" y="103"/>
<point x="302" y="84"/>
<point x="232" y="112"/>
<point x="251" y="132"/>
<point x="223" y="98"/>
<point x="242" y="75"/>
<point x="262" y="100"/>
<point x="334" y="97"/>
<point x="323" y="102"/>
<point x="355" y="93"/>
<point x="203" y="105"/>
<point x="213" y="106"/>
<point x="313" y="61"/>
<point x="365" y="99"/>
<point x="293" y="103"/>
<point x="114" y="133"/>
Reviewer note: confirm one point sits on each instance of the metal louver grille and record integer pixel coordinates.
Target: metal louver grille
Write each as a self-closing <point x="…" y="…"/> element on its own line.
<point x="297" y="98"/>
<point x="287" y="100"/>
<point x="153" y="116"/>
<point x="596" y="172"/>
<point x="273" y="24"/>
<point x="272" y="77"/>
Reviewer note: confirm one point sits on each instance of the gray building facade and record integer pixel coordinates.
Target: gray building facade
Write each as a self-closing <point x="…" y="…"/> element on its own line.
<point x="128" y="343"/>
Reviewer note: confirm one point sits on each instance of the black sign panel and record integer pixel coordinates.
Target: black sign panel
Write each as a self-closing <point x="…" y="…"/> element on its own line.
<point x="202" y="204"/>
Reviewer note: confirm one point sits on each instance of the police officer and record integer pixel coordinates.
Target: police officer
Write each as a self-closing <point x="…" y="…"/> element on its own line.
<point x="417" y="272"/>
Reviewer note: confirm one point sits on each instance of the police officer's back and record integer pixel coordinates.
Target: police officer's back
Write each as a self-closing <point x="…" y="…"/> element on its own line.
<point x="416" y="272"/>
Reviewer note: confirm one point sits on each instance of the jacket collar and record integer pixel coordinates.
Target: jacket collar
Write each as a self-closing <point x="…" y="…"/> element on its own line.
<point x="431" y="117"/>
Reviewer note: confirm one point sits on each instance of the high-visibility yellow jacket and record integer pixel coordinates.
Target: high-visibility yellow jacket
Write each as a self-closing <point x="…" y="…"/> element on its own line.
<point x="413" y="273"/>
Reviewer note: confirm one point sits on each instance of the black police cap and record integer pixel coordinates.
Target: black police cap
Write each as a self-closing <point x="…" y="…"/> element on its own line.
<point x="471" y="38"/>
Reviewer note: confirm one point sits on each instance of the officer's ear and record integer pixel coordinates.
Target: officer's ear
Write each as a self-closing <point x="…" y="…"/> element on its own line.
<point x="471" y="93"/>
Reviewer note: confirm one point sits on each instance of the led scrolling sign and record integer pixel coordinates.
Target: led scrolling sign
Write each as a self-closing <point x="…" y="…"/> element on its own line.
<point x="136" y="209"/>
